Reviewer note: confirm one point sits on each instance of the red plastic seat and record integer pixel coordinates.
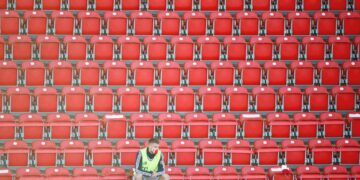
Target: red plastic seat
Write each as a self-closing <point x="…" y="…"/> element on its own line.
<point x="253" y="172"/>
<point x="45" y="153"/>
<point x="60" y="126"/>
<point x="209" y="48"/>
<point x="353" y="119"/>
<point x="127" y="150"/>
<point x="325" y="22"/>
<point x="116" y="125"/>
<point x="267" y="152"/>
<point x="235" y="47"/>
<point x="107" y="5"/>
<point x="195" y="23"/>
<point x="249" y="23"/>
<point x="8" y="73"/>
<point x="274" y="23"/>
<point x="209" y="5"/>
<point x="84" y="173"/>
<point x="116" y="22"/>
<point x="130" y="47"/>
<point x="351" y="72"/>
<point x="73" y="152"/>
<point x="225" y="172"/>
<point x="291" y="98"/>
<point x="2" y="48"/>
<point x="211" y="151"/>
<point x="198" y="125"/>
<point x="88" y="125"/>
<point x="276" y="73"/>
<point x="143" y="73"/>
<point x="355" y="171"/>
<point x="234" y="5"/>
<point x="314" y="5"/>
<point x="75" y="47"/>
<point x="300" y="23"/>
<point x="129" y="99"/>
<point x="36" y="22"/>
<point x="318" y="98"/>
<point x="198" y="172"/>
<point x="171" y="125"/>
<point x="183" y="5"/>
<point x="237" y="98"/>
<point x="196" y="73"/>
<point x="88" y="72"/>
<point x="78" y="4"/>
<point x="280" y="172"/>
<point x="303" y="72"/>
<point x="174" y="172"/>
<point x="288" y="47"/>
<point x="262" y="48"/>
<point x="34" y="73"/>
<point x="17" y="153"/>
<point x="183" y="47"/>
<point x="252" y="125"/>
<point x="10" y="22"/>
<point x="21" y="47"/>
<point x="295" y="151"/>
<point x="250" y="72"/>
<point x="113" y="173"/>
<point x="28" y="173"/>
<point x="306" y="172"/>
<point x="222" y="23"/>
<point x="46" y="99"/>
<point x="240" y="152"/>
<point x="7" y="126"/>
<point x="32" y="125"/>
<point x="89" y="22"/>
<point x="349" y="150"/>
<point x="338" y="172"/>
<point x="321" y="151"/>
<point x="349" y="21"/>
<point x="48" y="47"/>
<point x="307" y="125"/>
<point x="63" y="22"/>
<point x="225" y="125"/>
<point x="262" y="5"/>
<point x="101" y="152"/>
<point x="314" y="48"/>
<point x="130" y="4"/>
<point x="19" y="99"/>
<point x="103" y="47"/>
<point x="115" y="72"/>
<point x="337" y="5"/>
<point x="183" y="99"/>
<point x="143" y="125"/>
<point x="142" y="23"/>
<point x="3" y="5"/>
<point x="279" y="125"/>
<point x="329" y="72"/>
<point x="156" y="99"/>
<point x="102" y="99"/>
<point x="340" y="47"/>
<point x="344" y="98"/>
<point x="333" y="124"/>
<point x="6" y="174"/>
<point x="24" y="4"/>
<point x="156" y="48"/>
<point x="210" y="98"/>
<point x="74" y="98"/>
<point x="286" y="5"/>
<point x="169" y="73"/>
<point x="169" y="23"/>
<point x="265" y="98"/>
<point x="51" y="5"/>
<point x="56" y="173"/>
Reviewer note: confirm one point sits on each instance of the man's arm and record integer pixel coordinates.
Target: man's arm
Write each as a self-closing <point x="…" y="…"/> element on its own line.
<point x="138" y="169"/>
<point x="161" y="166"/>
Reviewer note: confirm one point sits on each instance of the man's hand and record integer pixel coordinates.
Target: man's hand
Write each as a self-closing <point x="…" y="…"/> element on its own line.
<point x="154" y="174"/>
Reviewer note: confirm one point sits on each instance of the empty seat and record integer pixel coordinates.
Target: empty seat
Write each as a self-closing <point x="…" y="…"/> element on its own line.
<point x="222" y="23"/>
<point x="143" y="73"/>
<point x="257" y="172"/>
<point x="198" y="173"/>
<point x="209" y="5"/>
<point x="340" y="47"/>
<point x="107" y="5"/>
<point x="226" y="172"/>
<point x="28" y="173"/>
<point x="36" y="22"/>
<point x="32" y="126"/>
<point x="6" y="174"/>
<point x="321" y="151"/>
<point x="171" y="125"/>
<point x="2" y="48"/>
<point x="234" y="5"/>
<point x="17" y="153"/>
<point x="78" y="5"/>
<point x="8" y="126"/>
<point x="267" y="152"/>
<point x="314" y="5"/>
<point x="156" y="99"/>
<point x="314" y="48"/>
<point x="286" y="5"/>
<point x="280" y="172"/>
<point x="89" y="22"/>
<point x="57" y="173"/>
<point x="143" y="125"/>
<point x="183" y="99"/>
<point x="142" y="23"/>
<point x="74" y="98"/>
<point x="73" y="152"/>
<point x="274" y="23"/>
<point x="264" y="98"/>
<point x="198" y="125"/>
<point x="276" y="73"/>
<point x="211" y="152"/>
<point x="60" y="126"/>
<point x="237" y="98"/>
<point x="336" y="172"/>
<point x="46" y="99"/>
<point x="20" y="47"/>
<point x="101" y="152"/>
<point x="325" y="23"/>
<point x="18" y="99"/>
<point x="333" y="124"/>
<point x="114" y="173"/>
<point x="115" y="73"/>
<point x="288" y="48"/>
<point x="225" y="125"/>
<point x="291" y="98"/>
<point x="308" y="171"/>
<point x="195" y="23"/>
<point x="344" y="97"/>
<point x="210" y="98"/>
<point x="8" y="73"/>
<point x="88" y="72"/>
<point x="235" y="48"/>
<point x="156" y="48"/>
<point x="349" y="150"/>
<point x="209" y="48"/>
<point x="183" y="5"/>
<point x="318" y="98"/>
<point x="355" y="171"/>
<point x="127" y="150"/>
<point x="262" y="48"/>
<point x="4" y="5"/>
<point x="169" y="73"/>
<point x="116" y="22"/>
<point x="115" y="125"/>
<point x="157" y="4"/>
<point x="51" y="4"/>
<point x="102" y="47"/>
<point x="84" y="173"/>
<point x="174" y="172"/>
<point x="250" y="72"/>
<point x="34" y="73"/>
<point x="129" y="99"/>
<point x="130" y="5"/>
<point x="129" y="47"/>
<point x="48" y="47"/>
<point x="279" y="125"/>
<point x="75" y="47"/>
<point x="10" y="22"/>
<point x="183" y="47"/>
<point x="102" y="99"/>
<point x="24" y="4"/>
<point x="262" y="5"/>
<point x="88" y="125"/>
<point x="353" y="119"/>
<point x="252" y="125"/>
<point x="306" y="125"/>
<point x="169" y="23"/>
<point x="185" y="152"/>
<point x="337" y="5"/>
<point x="248" y="23"/>
<point x="349" y="21"/>
<point x="351" y="71"/>
<point x="196" y="73"/>
<point x="294" y="151"/>
<point x="45" y="153"/>
<point x="240" y="152"/>
<point x="300" y="23"/>
<point x="303" y="72"/>
<point x="63" y="22"/>
<point x="329" y="72"/>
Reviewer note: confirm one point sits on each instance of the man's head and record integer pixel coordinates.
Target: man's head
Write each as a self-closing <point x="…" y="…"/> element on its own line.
<point x="153" y="145"/>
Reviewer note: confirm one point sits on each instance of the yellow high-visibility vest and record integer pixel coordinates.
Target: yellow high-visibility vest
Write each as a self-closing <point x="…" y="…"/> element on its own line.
<point x="149" y="165"/>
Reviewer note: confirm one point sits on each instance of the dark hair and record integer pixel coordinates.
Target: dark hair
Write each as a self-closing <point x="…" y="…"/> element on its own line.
<point x="154" y="140"/>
